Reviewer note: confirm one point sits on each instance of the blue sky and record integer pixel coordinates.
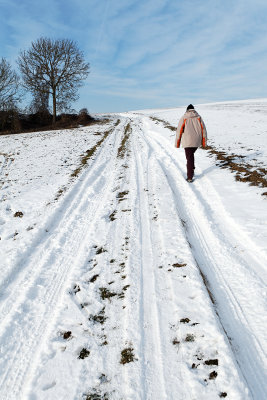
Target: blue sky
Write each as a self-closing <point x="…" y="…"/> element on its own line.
<point x="150" y="53"/>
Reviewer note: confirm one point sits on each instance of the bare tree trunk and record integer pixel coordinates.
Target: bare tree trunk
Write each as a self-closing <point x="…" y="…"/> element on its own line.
<point x="54" y="107"/>
<point x="55" y="66"/>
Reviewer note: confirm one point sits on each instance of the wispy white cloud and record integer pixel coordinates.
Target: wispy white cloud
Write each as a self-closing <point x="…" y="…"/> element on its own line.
<point x="153" y="51"/>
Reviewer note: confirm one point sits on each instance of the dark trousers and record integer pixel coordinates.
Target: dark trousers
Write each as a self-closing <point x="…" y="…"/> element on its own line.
<point x="189" y="153"/>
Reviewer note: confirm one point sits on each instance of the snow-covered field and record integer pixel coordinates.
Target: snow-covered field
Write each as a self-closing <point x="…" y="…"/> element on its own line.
<point x="118" y="279"/>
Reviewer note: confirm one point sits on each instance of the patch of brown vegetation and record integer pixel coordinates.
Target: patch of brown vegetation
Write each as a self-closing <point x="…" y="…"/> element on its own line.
<point x="184" y="320"/>
<point x="99" y="318"/>
<point x="106" y="293"/>
<point x="123" y="146"/>
<point x="76" y="289"/>
<point x="122" y="294"/>
<point x="189" y="338"/>
<point x="100" y="250"/>
<point x="60" y="192"/>
<point x="18" y="214"/>
<point x="112" y="215"/>
<point x="166" y="125"/>
<point x="127" y="356"/>
<point x="212" y="362"/>
<point x="121" y="195"/>
<point x="84" y="353"/>
<point x="66" y="335"/>
<point x="89" y="154"/>
<point x="213" y="375"/>
<point x="94" y="278"/>
<point x="244" y="172"/>
<point x="177" y="265"/>
<point x="96" y="395"/>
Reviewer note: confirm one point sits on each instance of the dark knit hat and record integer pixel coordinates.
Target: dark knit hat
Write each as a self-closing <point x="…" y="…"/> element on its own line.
<point x="190" y="107"/>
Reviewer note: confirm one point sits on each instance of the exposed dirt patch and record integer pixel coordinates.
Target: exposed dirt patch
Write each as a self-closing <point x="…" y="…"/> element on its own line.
<point x="66" y="335"/>
<point x="123" y="146"/>
<point x="177" y="265"/>
<point x="104" y="342"/>
<point x="99" y="318"/>
<point x="213" y="375"/>
<point x="76" y="289"/>
<point x="18" y="214"/>
<point x="244" y="172"/>
<point x="185" y="320"/>
<point x="84" y="353"/>
<point x="60" y="192"/>
<point x="212" y="362"/>
<point x="189" y="337"/>
<point x="166" y="125"/>
<point x="155" y="217"/>
<point x="122" y="294"/>
<point x="99" y="250"/>
<point x="127" y="356"/>
<point x="121" y="195"/>
<point x="94" y="278"/>
<point x="175" y="342"/>
<point x="96" y="395"/>
<point x="105" y="293"/>
<point x="112" y="215"/>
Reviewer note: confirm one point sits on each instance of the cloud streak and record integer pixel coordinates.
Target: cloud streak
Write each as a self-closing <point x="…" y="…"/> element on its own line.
<point x="157" y="53"/>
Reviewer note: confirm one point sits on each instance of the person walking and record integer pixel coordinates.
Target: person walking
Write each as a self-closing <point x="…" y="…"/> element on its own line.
<point x="191" y="134"/>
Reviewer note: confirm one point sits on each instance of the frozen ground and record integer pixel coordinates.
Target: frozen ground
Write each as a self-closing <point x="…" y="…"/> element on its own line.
<point x="119" y="280"/>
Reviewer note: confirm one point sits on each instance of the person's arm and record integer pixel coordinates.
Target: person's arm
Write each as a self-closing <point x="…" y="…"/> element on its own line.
<point x="179" y="132"/>
<point x="205" y="137"/>
<point x="203" y="132"/>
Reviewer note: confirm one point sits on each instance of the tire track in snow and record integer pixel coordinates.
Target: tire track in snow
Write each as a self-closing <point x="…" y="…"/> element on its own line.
<point x="215" y="259"/>
<point x="57" y="225"/>
<point x="179" y="385"/>
<point x="35" y="307"/>
<point x="184" y="382"/>
<point x="154" y="381"/>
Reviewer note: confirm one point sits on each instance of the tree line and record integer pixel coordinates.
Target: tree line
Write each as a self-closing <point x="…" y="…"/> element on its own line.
<point x="51" y="70"/>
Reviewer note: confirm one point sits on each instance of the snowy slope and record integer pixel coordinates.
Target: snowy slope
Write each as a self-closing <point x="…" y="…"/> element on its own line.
<point x="119" y="280"/>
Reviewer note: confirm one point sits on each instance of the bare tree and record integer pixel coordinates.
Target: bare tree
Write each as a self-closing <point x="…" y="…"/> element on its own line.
<point x="56" y="67"/>
<point x="9" y="86"/>
<point x="40" y="102"/>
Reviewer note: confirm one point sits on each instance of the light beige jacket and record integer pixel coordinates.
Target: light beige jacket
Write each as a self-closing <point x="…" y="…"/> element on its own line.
<point x="191" y="131"/>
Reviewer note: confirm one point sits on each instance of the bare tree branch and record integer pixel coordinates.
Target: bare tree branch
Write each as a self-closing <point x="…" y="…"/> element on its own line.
<point x="9" y="85"/>
<point x="56" y="67"/>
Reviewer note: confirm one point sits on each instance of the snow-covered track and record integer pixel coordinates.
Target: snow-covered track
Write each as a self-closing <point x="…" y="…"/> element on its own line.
<point x="45" y="270"/>
<point x="154" y="384"/>
<point x="132" y="284"/>
<point x="231" y="275"/>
